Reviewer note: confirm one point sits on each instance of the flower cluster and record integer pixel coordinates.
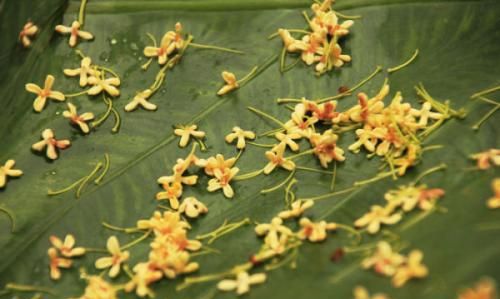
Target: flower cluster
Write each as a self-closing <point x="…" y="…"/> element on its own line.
<point x="320" y="46"/>
<point x="405" y="197"/>
<point x="385" y="261"/>
<point x="98" y="288"/>
<point x="61" y="253"/>
<point x="169" y="256"/>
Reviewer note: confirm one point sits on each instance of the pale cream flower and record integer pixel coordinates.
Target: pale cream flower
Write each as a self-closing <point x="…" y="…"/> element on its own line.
<point x="288" y="139"/>
<point x="242" y="282"/>
<point x="425" y="114"/>
<point x="7" y="171"/>
<point x="80" y="120"/>
<point x="361" y="293"/>
<point x="115" y="260"/>
<point x="325" y="147"/>
<point x="98" y="288"/>
<point x="378" y="215"/>
<point x="45" y="93"/>
<point x="107" y="85"/>
<point x="74" y="32"/>
<point x="272" y="231"/>
<point x="314" y="231"/>
<point x="51" y="144"/>
<point x="173" y="190"/>
<point x="218" y="162"/>
<point x="57" y="262"/>
<point x="29" y="31"/>
<point x="67" y="248"/>
<point x="185" y="132"/>
<point x="84" y="71"/>
<point x="240" y="135"/>
<point x="221" y="181"/>
<point x="494" y="202"/>
<point x="291" y="44"/>
<point x="297" y="209"/>
<point x="413" y="268"/>
<point x="276" y="158"/>
<point x="167" y="46"/>
<point x="409" y="197"/>
<point x="144" y="275"/>
<point x="192" y="207"/>
<point x="231" y="83"/>
<point x="141" y="99"/>
<point x="384" y="261"/>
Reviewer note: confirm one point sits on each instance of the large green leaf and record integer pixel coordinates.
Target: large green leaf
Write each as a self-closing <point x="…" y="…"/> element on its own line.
<point x="459" y="47"/>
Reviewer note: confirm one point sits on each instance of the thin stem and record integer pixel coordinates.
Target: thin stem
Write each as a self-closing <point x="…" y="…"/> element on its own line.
<point x="207" y="250"/>
<point x="11" y="218"/>
<point x="351" y="230"/>
<point x="224" y="229"/>
<point x="485" y="117"/>
<point x="397" y="68"/>
<point x="348" y="16"/>
<point x="105" y="115"/>
<point x="290" y="258"/>
<point x="484" y="99"/>
<point x="440" y="167"/>
<point x="275" y="34"/>
<point x="74" y="95"/>
<point x="416" y="219"/>
<point x="279" y="101"/>
<point x="200" y="46"/>
<point x="289" y="193"/>
<point x="87" y="179"/>
<point x="248" y="76"/>
<point x="484" y="92"/>
<point x="106" y="168"/>
<point x="52" y="193"/>
<point x="328" y="195"/>
<point x="261" y="144"/>
<point x="263" y="191"/>
<point x="120" y="229"/>
<point x="147" y="64"/>
<point x="116" y="127"/>
<point x="312" y="169"/>
<point x="271" y="132"/>
<point x="378" y="177"/>
<point x="29" y="288"/>
<point x="105" y="69"/>
<point x="81" y="13"/>
<point x="261" y="113"/>
<point x="309" y="151"/>
<point x="334" y="176"/>
<point x="136" y="241"/>
<point x="432" y="147"/>
<point x="152" y="38"/>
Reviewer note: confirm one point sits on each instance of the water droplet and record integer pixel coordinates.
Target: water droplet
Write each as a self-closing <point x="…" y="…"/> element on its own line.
<point x="124" y="40"/>
<point x="58" y="112"/>
<point x="140" y="58"/>
<point x="53" y="172"/>
<point x="114" y="41"/>
<point x="134" y="46"/>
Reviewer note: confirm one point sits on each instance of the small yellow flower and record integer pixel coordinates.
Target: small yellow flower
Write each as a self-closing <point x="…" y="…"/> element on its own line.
<point x="325" y="147"/>
<point x="115" y="260"/>
<point x="378" y="215"/>
<point x="425" y="114"/>
<point x="177" y="177"/>
<point x="273" y="231"/>
<point x="185" y="132"/>
<point x="314" y="231"/>
<point x="484" y="289"/>
<point x="487" y="158"/>
<point x="291" y="44"/>
<point x="368" y="138"/>
<point x="141" y="99"/>
<point x="107" y="85"/>
<point x="178" y="263"/>
<point x="57" y="262"/>
<point x="231" y="83"/>
<point x="43" y="94"/>
<point x="29" y="31"/>
<point x="240" y="135"/>
<point x="361" y="293"/>
<point x="218" y="162"/>
<point x="98" y="288"/>
<point x="384" y="261"/>
<point x="167" y="46"/>
<point x="144" y="275"/>
<point x="413" y="268"/>
<point x="74" y="32"/>
<point x="84" y="71"/>
<point x="192" y="207"/>
<point x="408" y="197"/>
<point x="242" y="282"/>
<point x="80" y="120"/>
<point x="288" y="139"/>
<point x="7" y="171"/>
<point x="222" y="179"/>
<point x="173" y="190"/>
<point x="51" y="144"/>
<point x="297" y="209"/>
<point x="67" y="248"/>
<point x="276" y="158"/>
<point x="164" y="224"/>
<point x="494" y="202"/>
<point x="179" y="39"/>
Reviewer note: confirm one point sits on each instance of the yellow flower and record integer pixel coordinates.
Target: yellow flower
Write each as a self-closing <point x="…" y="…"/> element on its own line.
<point x="361" y="293"/>
<point x="378" y="215"/>
<point x="425" y="114"/>
<point x="409" y="196"/>
<point x="115" y="260"/>
<point x="494" y="202"/>
<point x="43" y="94"/>
<point x="485" y="289"/>
<point x="185" y="132"/>
<point x="167" y="46"/>
<point x="325" y="147"/>
<point x="74" y="32"/>
<point x="291" y="44"/>
<point x="51" y="144"/>
<point x="6" y="171"/>
<point x="413" y="268"/>
<point x="276" y="158"/>
<point x="367" y="137"/>
<point x="29" y="30"/>
<point x="231" y="83"/>
<point x="80" y="120"/>
<point x="57" y="262"/>
<point x="178" y="263"/>
<point x="222" y="179"/>
<point x="366" y="107"/>
<point x="178" y="40"/>
<point x="288" y="140"/>
<point x="242" y="282"/>
<point x="84" y="71"/>
<point x="314" y="231"/>
<point x="241" y="135"/>
<point x="98" y="288"/>
<point x="173" y="190"/>
<point x="67" y="248"/>
<point x="218" y="162"/>
<point x="384" y="261"/>
<point x="301" y="124"/>
<point x="107" y="85"/>
<point x="192" y="207"/>
<point x="141" y="99"/>
<point x="144" y="275"/>
<point x="273" y="231"/>
<point x="297" y="209"/>
<point x="487" y="158"/>
<point x="164" y="224"/>
<point x="314" y="49"/>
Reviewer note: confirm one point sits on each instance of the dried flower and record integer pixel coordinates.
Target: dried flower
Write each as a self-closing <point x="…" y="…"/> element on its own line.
<point x="84" y="71"/>
<point x="276" y="158"/>
<point x="222" y="179"/>
<point x="487" y="158"/>
<point x="80" y="120"/>
<point x="314" y="231"/>
<point x="115" y="260"/>
<point x="67" y="248"/>
<point x="141" y="99"/>
<point x="297" y="209"/>
<point x="242" y="282"/>
<point x="29" y="30"/>
<point x="74" y="32"/>
<point x="384" y="261"/>
<point x="413" y="268"/>
<point x="57" y="262"/>
<point x="43" y="94"/>
<point x="484" y="289"/>
<point x="361" y="293"/>
<point x="240" y="135"/>
<point x="231" y="83"/>
<point x="108" y="85"/>
<point x="494" y="202"/>
<point x="377" y="215"/>
<point x="51" y="144"/>
<point x="192" y="207"/>
<point x="185" y="132"/>
<point x="7" y="171"/>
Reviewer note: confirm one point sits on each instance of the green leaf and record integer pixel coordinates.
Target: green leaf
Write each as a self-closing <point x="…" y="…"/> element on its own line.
<point x="458" y="44"/>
